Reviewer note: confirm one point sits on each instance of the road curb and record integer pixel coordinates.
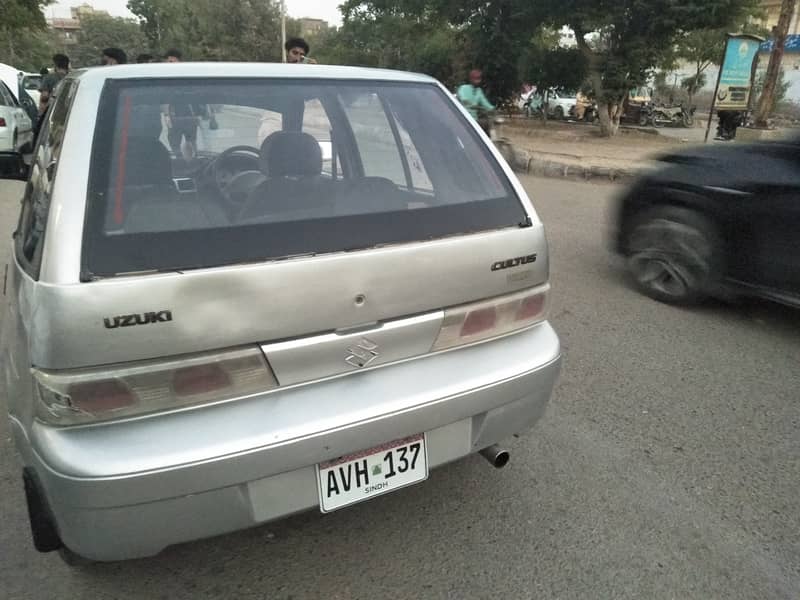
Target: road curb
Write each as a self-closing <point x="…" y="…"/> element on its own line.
<point x="547" y="165"/>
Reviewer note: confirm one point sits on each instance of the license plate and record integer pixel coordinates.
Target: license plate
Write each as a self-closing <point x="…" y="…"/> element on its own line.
<point x="369" y="473"/>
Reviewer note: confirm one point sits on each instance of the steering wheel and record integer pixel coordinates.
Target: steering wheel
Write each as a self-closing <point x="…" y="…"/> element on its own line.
<point x="221" y="178"/>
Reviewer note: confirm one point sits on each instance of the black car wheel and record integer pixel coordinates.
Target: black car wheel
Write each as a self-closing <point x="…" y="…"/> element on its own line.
<point x="559" y="113"/>
<point x="674" y="255"/>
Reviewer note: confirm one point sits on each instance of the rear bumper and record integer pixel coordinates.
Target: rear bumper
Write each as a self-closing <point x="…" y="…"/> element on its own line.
<point x="130" y="489"/>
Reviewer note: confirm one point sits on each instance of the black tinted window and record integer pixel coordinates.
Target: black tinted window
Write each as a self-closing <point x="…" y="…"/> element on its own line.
<point x="205" y="173"/>
<point x="36" y="203"/>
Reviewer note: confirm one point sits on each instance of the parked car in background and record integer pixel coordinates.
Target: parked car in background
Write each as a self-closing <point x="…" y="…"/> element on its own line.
<point x="560" y="104"/>
<point x="196" y="345"/>
<point x="31" y="82"/>
<point x="16" y="128"/>
<point x="716" y="221"/>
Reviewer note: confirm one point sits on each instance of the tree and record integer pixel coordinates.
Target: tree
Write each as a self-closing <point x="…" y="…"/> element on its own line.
<point x="624" y="41"/>
<point x="694" y="83"/>
<point x="100" y="31"/>
<point x="212" y="30"/>
<point x="782" y="87"/>
<point x="548" y="65"/>
<point x="20" y="19"/>
<point x="376" y="37"/>
<point x="703" y="47"/>
<point x="768" y="97"/>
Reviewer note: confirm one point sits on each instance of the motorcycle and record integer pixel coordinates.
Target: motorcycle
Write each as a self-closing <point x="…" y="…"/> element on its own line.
<point x="660" y="115"/>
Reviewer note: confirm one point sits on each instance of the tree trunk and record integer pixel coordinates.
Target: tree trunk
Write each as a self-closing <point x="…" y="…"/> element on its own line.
<point x="773" y="70"/>
<point x="610" y="115"/>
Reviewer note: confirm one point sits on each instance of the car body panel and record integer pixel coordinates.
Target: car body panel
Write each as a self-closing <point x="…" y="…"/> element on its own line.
<point x="349" y="336"/>
<point x="750" y="191"/>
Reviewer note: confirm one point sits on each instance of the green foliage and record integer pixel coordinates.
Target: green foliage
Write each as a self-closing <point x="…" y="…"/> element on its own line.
<point x="554" y="67"/>
<point x="693" y="84"/>
<point x="388" y="38"/>
<point x="246" y="30"/>
<point x="781" y="88"/>
<point x="21" y="25"/>
<point x="100" y="31"/>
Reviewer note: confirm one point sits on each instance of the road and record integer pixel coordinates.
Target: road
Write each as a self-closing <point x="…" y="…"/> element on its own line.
<point x="667" y="466"/>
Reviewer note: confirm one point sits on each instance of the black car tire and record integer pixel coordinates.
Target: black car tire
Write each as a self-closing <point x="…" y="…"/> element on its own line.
<point x="675" y="255"/>
<point x="559" y="113"/>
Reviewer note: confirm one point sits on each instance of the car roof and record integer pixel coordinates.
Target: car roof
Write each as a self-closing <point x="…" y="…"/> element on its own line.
<point x="246" y="71"/>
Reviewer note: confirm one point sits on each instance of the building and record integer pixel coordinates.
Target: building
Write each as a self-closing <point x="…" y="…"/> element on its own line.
<point x="78" y="12"/>
<point x="67" y="29"/>
<point x="311" y="27"/>
<point x="772" y="10"/>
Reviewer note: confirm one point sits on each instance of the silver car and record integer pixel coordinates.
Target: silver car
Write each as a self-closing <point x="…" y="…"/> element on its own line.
<point x="241" y="291"/>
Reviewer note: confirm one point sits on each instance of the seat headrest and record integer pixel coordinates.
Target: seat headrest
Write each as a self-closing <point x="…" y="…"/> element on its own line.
<point x="291" y="154"/>
<point x="147" y="162"/>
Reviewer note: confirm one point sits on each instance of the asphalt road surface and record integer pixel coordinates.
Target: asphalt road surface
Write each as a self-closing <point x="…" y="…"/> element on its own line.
<point x="667" y="466"/>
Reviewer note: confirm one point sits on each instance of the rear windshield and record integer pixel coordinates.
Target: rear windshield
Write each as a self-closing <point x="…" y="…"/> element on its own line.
<point x="201" y="173"/>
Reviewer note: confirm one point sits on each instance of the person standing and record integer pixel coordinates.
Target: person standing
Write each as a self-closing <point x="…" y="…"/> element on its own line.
<point x="50" y="81"/>
<point x="297" y="50"/>
<point x="49" y="88"/>
<point x="182" y="119"/>
<point x="113" y="56"/>
<point x="474" y="100"/>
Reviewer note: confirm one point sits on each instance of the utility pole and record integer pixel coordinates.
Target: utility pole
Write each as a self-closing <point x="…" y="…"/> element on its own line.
<point x="283" y="29"/>
<point x="779" y="34"/>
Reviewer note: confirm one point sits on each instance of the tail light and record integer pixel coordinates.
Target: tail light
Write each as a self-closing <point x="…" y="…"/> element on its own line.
<point x="90" y="396"/>
<point x="2" y="122"/>
<point x="470" y="323"/>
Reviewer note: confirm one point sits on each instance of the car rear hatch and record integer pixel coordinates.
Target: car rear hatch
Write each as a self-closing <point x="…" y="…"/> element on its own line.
<point x="406" y="238"/>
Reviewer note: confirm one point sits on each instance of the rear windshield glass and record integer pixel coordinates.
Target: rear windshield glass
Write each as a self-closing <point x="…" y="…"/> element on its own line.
<point x="189" y="174"/>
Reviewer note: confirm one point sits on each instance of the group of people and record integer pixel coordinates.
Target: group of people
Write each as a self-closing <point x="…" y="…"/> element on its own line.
<point x="180" y="120"/>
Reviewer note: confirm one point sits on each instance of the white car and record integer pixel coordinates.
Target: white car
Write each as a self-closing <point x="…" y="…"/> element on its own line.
<point x="16" y="127"/>
<point x="561" y="104"/>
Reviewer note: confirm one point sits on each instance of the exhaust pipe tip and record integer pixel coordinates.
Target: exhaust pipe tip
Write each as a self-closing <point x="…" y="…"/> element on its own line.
<point x="498" y="457"/>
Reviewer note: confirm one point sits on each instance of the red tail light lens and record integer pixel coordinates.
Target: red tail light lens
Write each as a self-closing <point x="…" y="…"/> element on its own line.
<point x="2" y="122"/>
<point x="480" y="321"/>
<point x="199" y="380"/>
<point x="101" y="396"/>
<point x="531" y="307"/>
<point x="92" y="395"/>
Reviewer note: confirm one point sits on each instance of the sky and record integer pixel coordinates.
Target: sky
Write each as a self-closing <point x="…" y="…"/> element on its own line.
<point x="321" y="9"/>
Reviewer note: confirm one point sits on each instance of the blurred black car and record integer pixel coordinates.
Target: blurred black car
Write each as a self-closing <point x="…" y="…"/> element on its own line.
<point x="716" y="221"/>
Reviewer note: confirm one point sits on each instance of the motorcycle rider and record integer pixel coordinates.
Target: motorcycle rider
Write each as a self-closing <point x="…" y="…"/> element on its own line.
<point x="474" y="100"/>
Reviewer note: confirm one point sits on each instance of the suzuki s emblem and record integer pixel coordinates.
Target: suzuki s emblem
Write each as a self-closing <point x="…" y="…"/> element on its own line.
<point x="362" y="354"/>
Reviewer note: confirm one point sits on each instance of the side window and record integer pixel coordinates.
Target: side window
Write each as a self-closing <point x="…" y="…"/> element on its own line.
<point x="317" y="125"/>
<point x="29" y="237"/>
<point x="379" y="153"/>
<point x="5" y="96"/>
<point x="269" y="123"/>
<point x="419" y="176"/>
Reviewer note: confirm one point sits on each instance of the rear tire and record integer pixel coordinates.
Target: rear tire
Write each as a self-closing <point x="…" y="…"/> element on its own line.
<point x="43" y="530"/>
<point x="688" y="120"/>
<point x="675" y="255"/>
<point x="559" y="113"/>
